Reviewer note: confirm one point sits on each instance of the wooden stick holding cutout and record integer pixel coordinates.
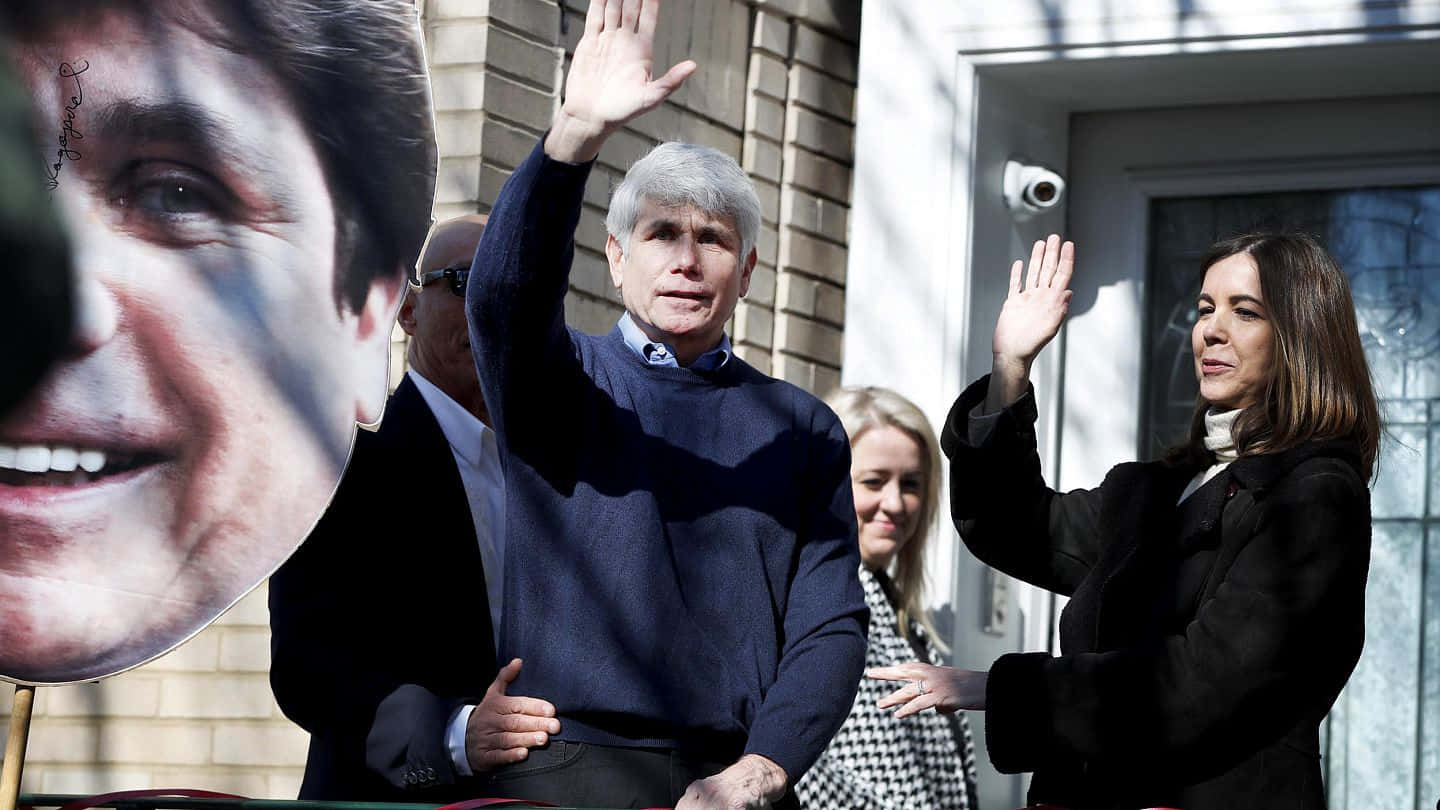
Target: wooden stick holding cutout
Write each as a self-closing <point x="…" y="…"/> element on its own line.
<point x="15" y="746"/>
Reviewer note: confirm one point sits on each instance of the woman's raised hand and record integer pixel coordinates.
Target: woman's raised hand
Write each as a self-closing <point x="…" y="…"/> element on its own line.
<point x="1030" y="318"/>
<point x="611" y="78"/>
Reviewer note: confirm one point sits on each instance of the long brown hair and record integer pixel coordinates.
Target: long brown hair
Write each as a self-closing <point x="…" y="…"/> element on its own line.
<point x="1319" y="383"/>
<point x="860" y="409"/>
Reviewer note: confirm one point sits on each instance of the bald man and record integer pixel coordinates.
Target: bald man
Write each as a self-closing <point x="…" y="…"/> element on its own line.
<point x="381" y="645"/>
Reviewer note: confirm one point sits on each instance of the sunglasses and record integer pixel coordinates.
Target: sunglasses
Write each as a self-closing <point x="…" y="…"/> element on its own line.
<point x="456" y="275"/>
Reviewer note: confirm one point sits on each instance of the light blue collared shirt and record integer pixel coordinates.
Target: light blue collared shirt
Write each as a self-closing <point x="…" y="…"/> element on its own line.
<point x="661" y="354"/>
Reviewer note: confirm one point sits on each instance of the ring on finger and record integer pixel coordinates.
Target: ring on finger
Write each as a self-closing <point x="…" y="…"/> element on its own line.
<point x="920" y="687"/>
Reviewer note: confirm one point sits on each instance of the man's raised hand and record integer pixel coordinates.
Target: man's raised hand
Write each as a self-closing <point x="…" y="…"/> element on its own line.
<point x="611" y="78"/>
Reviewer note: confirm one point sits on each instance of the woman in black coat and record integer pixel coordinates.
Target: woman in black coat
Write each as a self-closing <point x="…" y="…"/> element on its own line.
<point x="1217" y="596"/>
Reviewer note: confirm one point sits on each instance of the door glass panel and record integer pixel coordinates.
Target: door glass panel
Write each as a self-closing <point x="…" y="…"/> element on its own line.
<point x="1383" y="737"/>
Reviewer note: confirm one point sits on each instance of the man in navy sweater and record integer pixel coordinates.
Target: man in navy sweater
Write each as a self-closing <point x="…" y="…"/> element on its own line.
<point x="681" y="558"/>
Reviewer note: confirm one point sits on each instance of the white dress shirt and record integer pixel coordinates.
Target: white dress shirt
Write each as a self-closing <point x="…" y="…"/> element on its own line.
<point x="477" y="456"/>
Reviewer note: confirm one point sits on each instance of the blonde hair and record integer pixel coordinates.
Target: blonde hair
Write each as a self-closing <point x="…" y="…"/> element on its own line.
<point x="861" y="408"/>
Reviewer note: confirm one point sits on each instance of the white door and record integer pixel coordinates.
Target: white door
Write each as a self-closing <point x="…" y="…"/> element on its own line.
<point x="1152" y="189"/>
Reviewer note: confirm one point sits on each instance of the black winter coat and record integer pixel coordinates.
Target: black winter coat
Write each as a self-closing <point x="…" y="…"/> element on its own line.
<point x="1203" y="643"/>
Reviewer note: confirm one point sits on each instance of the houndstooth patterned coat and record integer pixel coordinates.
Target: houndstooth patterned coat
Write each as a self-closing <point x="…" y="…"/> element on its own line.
<point x="878" y="762"/>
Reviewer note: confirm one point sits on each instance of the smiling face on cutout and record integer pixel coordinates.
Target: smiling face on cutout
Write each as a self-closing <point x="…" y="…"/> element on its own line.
<point x="201" y="420"/>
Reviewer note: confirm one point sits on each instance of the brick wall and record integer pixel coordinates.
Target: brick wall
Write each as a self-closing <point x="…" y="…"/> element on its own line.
<point x="775" y="89"/>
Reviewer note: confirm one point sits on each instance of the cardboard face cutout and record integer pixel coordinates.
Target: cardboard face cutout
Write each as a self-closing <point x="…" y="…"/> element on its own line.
<point x="244" y="185"/>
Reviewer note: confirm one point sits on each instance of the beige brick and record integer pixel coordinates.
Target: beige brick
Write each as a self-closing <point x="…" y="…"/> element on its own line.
<point x="755" y="356"/>
<point x="819" y="134"/>
<point x="538" y="18"/>
<point x="397" y="367"/>
<point x="769" y="194"/>
<point x="818" y="91"/>
<point x="88" y="781"/>
<point x="600" y="185"/>
<point x="128" y="741"/>
<point x="830" y="304"/>
<point x="285" y="784"/>
<point x="768" y="245"/>
<point x="459" y="132"/>
<point x="199" y="654"/>
<point x="259" y="744"/>
<point x="806" y="296"/>
<point x="795" y="293"/>
<point x="754" y="324"/>
<point x="507" y="145"/>
<point x="826" y="52"/>
<point x="715" y="36"/>
<point x="492" y="179"/>
<point x="33" y="779"/>
<point x="591" y="315"/>
<point x="623" y="149"/>
<point x="518" y="103"/>
<point x="767" y="75"/>
<point x="816" y="173"/>
<point x="439" y="10"/>
<point x="245" y="650"/>
<point x="764" y="117"/>
<point x="826" y="379"/>
<point x="590" y="274"/>
<point x="716" y="137"/>
<point x="458" y="179"/>
<point x="251" y="783"/>
<point x="216" y="697"/>
<point x="840" y="17"/>
<point x="780" y="8"/>
<point x="460" y="87"/>
<point x="670" y="122"/>
<point x="530" y="61"/>
<point x="811" y="256"/>
<point x="817" y="378"/>
<point x="762" y="286"/>
<point x="772" y="32"/>
<point x="251" y="609"/>
<point x="456" y="42"/>
<point x="127" y="695"/>
<point x="814" y="214"/>
<point x="808" y="338"/>
<point x="792" y="369"/>
<point x="591" y="231"/>
<point x="444" y="211"/>
<point x="574" y="28"/>
<point x="761" y="158"/>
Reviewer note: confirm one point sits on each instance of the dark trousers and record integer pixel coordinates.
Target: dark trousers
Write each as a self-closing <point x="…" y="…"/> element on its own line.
<point x="573" y="774"/>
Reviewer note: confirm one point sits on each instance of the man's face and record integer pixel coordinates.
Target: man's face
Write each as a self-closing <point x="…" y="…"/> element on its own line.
<point x="434" y="316"/>
<point x="201" y="422"/>
<point x="681" y="275"/>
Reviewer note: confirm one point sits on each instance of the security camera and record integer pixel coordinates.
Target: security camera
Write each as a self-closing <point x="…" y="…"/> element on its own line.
<point x="1031" y="189"/>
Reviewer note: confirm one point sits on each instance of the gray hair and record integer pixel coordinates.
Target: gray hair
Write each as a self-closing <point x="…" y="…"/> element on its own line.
<point x="676" y="174"/>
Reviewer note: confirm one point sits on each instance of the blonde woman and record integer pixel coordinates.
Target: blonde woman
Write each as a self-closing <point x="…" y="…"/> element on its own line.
<point x="877" y="760"/>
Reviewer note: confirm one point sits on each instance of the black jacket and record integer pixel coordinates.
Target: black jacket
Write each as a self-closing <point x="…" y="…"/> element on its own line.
<point x="380" y="627"/>
<point x="1203" y="643"/>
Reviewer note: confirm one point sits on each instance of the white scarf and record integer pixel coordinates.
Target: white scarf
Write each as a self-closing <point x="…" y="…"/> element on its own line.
<point x="1220" y="440"/>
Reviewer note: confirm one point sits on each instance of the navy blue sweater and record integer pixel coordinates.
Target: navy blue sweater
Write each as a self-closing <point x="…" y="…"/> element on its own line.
<point x="680" y="565"/>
